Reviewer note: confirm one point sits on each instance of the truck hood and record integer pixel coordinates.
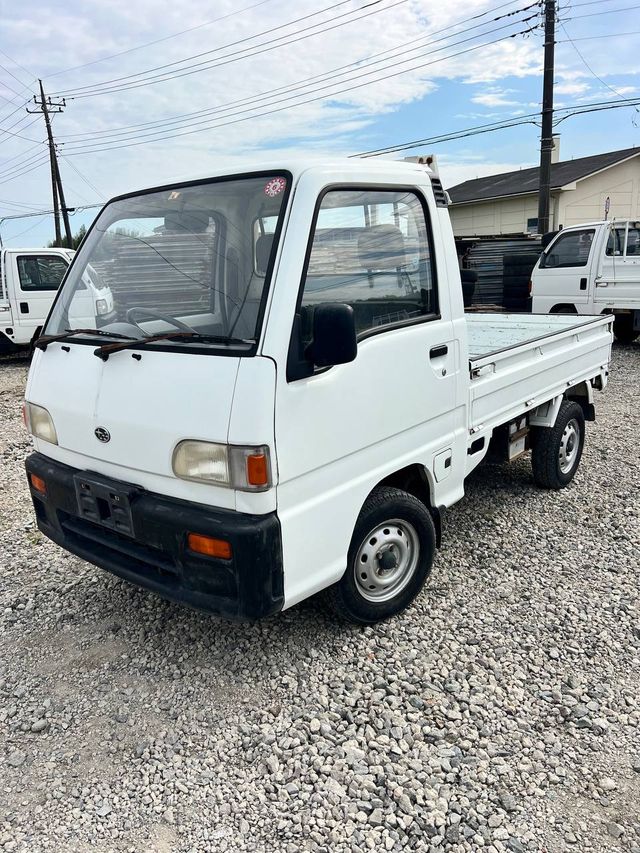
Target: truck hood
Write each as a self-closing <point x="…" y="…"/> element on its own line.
<point x="146" y="405"/>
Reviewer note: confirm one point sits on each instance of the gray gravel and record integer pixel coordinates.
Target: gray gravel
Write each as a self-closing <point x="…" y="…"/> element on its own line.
<point x="500" y="713"/>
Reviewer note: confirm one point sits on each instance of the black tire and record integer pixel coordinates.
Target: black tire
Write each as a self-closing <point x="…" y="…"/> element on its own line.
<point x="563" y="309"/>
<point x="623" y="329"/>
<point x="390" y="522"/>
<point x="557" y="450"/>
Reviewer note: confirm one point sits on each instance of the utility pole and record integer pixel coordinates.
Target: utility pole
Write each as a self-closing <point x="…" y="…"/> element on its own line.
<point x="46" y="107"/>
<point x="546" y="141"/>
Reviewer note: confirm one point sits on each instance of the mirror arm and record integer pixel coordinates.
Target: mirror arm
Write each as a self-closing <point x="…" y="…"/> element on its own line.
<point x="298" y="364"/>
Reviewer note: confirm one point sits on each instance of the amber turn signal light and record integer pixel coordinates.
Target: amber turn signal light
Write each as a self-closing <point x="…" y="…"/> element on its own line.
<point x="257" y="469"/>
<point x="38" y="484"/>
<point x="209" y="546"/>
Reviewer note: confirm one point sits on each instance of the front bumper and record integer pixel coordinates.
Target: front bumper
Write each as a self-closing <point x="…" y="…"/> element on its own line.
<point x="153" y="551"/>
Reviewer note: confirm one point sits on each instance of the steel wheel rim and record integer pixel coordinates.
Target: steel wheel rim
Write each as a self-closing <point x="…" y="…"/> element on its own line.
<point x="569" y="446"/>
<point x="386" y="560"/>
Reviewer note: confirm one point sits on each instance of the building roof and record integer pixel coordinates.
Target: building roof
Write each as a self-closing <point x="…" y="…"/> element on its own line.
<point x="526" y="181"/>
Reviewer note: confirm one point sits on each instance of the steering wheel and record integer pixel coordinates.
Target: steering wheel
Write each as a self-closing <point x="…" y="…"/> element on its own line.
<point x="155" y="315"/>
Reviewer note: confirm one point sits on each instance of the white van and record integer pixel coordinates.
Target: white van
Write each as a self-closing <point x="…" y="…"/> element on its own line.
<point x="294" y="395"/>
<point x="29" y="281"/>
<point x="592" y="269"/>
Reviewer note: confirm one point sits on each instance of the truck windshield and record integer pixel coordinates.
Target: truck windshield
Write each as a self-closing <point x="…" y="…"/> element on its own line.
<point x="188" y="258"/>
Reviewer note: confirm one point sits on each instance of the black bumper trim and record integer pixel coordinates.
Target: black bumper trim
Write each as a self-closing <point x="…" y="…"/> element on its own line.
<point x="248" y="586"/>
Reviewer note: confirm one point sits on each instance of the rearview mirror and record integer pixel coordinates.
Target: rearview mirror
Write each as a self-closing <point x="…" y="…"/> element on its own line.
<point x="334" y="335"/>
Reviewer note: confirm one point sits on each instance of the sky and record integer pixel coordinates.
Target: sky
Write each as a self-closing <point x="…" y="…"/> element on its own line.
<point x="268" y="79"/>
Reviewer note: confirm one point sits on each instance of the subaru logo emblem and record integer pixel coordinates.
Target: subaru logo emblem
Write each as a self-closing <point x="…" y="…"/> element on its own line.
<point x="102" y="434"/>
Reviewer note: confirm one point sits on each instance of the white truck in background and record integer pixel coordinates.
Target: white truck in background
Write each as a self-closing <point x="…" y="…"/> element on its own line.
<point x="29" y="281"/>
<point x="592" y="269"/>
<point x="292" y="393"/>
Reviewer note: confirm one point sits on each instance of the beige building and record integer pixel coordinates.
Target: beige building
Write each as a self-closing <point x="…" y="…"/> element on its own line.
<point x="581" y="191"/>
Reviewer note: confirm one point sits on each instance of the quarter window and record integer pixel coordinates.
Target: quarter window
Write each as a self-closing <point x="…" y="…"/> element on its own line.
<point x="371" y="250"/>
<point x="41" y="272"/>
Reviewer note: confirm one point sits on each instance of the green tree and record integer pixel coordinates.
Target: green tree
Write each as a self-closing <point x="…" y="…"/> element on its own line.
<point x="76" y="239"/>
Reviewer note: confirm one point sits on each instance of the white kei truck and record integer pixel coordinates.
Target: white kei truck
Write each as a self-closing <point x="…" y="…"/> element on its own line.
<point x="29" y="280"/>
<point x="291" y="393"/>
<point x="592" y="269"/>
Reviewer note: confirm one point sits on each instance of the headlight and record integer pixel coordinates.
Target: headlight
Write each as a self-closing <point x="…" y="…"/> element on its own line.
<point x="245" y="468"/>
<point x="40" y="423"/>
<point x="101" y="307"/>
<point x="202" y="460"/>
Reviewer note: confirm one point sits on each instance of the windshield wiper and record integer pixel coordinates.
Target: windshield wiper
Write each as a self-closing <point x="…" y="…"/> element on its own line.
<point x="106" y="350"/>
<point x="44" y="340"/>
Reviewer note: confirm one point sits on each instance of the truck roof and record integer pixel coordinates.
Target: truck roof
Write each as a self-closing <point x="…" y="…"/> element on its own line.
<point x="342" y="168"/>
<point x="37" y="249"/>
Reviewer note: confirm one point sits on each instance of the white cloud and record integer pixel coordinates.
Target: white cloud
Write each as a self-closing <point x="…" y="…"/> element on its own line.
<point x="353" y="120"/>
<point x="495" y="97"/>
<point x="570" y="88"/>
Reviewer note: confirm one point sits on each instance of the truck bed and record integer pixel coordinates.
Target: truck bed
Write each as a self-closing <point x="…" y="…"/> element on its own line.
<point x="518" y="361"/>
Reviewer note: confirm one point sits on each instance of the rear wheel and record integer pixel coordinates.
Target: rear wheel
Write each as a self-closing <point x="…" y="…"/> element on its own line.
<point x="623" y="329"/>
<point x="389" y="559"/>
<point x="557" y="450"/>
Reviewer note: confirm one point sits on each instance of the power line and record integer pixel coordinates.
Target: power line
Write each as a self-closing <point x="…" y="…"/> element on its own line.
<point x="529" y="118"/>
<point x="27" y="161"/>
<point x="18" y="135"/>
<point x="20" y="204"/>
<point x="82" y="176"/>
<point x="41" y="214"/>
<point x="101" y="88"/>
<point x="157" y="41"/>
<point x="340" y="71"/>
<point x="601" y="36"/>
<point x="86" y="147"/>
<point x="590" y="69"/>
<point x="22" y="68"/>
<point x="605" y="12"/>
<point x="6" y="180"/>
<point x="17" y="124"/>
<point x="7" y="86"/>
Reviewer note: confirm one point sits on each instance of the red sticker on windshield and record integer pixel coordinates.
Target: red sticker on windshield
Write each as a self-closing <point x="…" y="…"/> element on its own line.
<point x="275" y="187"/>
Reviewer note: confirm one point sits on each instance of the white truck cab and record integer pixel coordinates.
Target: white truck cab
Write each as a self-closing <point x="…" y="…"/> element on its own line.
<point x="592" y="269"/>
<point x="29" y="281"/>
<point x="290" y="394"/>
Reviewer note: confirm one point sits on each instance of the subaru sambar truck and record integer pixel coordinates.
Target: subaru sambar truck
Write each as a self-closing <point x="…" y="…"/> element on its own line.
<point x="290" y="394"/>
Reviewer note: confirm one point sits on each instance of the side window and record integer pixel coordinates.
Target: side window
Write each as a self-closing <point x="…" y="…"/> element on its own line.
<point x="371" y="250"/>
<point x="569" y="250"/>
<point x="41" y="272"/>
<point x="633" y="240"/>
<point x="615" y="243"/>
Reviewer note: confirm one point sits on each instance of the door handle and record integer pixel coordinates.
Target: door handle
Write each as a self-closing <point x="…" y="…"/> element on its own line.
<point x="24" y="307"/>
<point x="438" y="352"/>
<point x="583" y="284"/>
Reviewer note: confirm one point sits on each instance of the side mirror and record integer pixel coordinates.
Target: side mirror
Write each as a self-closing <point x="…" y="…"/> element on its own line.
<point x="334" y="335"/>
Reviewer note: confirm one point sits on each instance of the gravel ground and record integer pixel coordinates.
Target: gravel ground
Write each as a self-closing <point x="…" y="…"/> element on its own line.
<point x="501" y="712"/>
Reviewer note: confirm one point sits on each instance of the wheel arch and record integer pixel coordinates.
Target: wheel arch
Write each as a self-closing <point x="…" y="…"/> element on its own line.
<point x="414" y="479"/>
<point x="564" y="308"/>
<point x="582" y="393"/>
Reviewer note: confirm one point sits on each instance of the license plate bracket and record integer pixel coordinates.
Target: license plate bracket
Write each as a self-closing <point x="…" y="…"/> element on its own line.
<point x="105" y="502"/>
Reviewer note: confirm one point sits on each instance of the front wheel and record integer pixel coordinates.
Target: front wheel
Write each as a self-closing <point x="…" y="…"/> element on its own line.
<point x="389" y="560"/>
<point x="556" y="451"/>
